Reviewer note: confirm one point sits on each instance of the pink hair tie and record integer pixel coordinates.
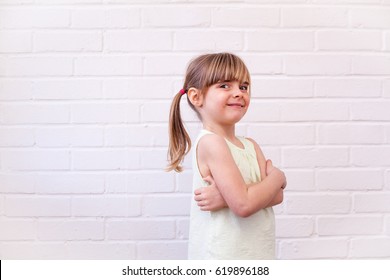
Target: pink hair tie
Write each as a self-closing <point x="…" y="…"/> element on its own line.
<point x="182" y="91"/>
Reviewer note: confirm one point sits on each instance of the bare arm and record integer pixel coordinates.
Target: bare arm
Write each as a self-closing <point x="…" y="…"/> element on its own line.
<point x="266" y="167"/>
<point x="243" y="201"/>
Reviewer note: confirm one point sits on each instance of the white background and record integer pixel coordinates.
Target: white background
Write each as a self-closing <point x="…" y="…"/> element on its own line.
<point x="85" y="90"/>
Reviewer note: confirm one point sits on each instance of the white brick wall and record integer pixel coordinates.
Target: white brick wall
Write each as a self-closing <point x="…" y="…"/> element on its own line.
<point x="85" y="89"/>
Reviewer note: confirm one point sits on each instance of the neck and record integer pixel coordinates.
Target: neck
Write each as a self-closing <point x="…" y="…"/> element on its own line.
<point x="227" y="132"/>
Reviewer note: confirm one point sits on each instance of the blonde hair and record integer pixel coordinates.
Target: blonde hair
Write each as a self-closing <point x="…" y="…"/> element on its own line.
<point x="202" y="72"/>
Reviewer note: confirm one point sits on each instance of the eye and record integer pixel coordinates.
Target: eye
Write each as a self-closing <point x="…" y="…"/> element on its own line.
<point x="224" y="86"/>
<point x="244" y="87"/>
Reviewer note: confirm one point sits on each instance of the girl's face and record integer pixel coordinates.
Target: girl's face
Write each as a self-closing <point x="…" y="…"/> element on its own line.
<point x="226" y="102"/>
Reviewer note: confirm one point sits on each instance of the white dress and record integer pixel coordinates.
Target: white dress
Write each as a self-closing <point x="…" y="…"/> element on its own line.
<point x="222" y="234"/>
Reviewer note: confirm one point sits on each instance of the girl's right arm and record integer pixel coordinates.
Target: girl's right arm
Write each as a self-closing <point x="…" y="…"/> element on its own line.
<point x="215" y="156"/>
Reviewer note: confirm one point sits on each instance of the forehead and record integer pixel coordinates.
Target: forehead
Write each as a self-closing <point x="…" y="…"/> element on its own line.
<point x="228" y="73"/>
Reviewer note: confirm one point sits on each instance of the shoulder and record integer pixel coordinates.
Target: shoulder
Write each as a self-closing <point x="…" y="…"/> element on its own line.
<point x="212" y="143"/>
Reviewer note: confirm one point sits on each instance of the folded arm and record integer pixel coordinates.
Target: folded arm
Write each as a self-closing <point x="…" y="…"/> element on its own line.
<point x="214" y="153"/>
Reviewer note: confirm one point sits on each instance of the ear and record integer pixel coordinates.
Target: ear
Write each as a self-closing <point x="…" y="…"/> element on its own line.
<point x="195" y="97"/>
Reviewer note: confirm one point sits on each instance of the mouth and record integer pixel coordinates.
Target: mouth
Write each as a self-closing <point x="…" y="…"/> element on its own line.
<point x="236" y="105"/>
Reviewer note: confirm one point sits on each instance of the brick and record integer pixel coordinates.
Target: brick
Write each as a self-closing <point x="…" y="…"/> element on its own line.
<point x="180" y="16"/>
<point x="372" y="202"/>
<point x="280" y="41"/>
<point x="254" y="17"/>
<point x="140" y="229"/>
<point x="60" y="230"/>
<point x="300" y="180"/>
<point x="106" y="206"/>
<point x="37" y="206"/>
<point x="15" y="41"/>
<point x="34" y="17"/>
<point x="141" y="88"/>
<point x="136" y="41"/>
<point x="141" y="182"/>
<point x="349" y="40"/>
<point x="386" y="88"/>
<point x="68" y="41"/>
<point x="166" y="205"/>
<point x="84" y="136"/>
<point x="371" y="65"/>
<point x="263" y="64"/>
<point x="162" y="250"/>
<point x="314" y="111"/>
<point x="15" y="89"/>
<point x="314" y="249"/>
<point x="113" y="65"/>
<point x="67" y="89"/>
<point x="281" y="87"/>
<point x="101" y="159"/>
<point x="53" y="137"/>
<point x="92" y="113"/>
<point x="387" y="41"/>
<point x="310" y="157"/>
<point x="16" y="137"/>
<point x="370" y="156"/>
<point x="361" y="87"/>
<point x="17" y="229"/>
<point x="36" y="66"/>
<point x="34" y="250"/>
<point x="35" y="113"/>
<point x="371" y="111"/>
<point x="209" y="41"/>
<point x="162" y="65"/>
<point x="262" y="111"/>
<point x="182" y="229"/>
<point x="137" y="136"/>
<point x="351" y="134"/>
<point x="159" y="112"/>
<point x="349" y="225"/>
<point x="69" y="183"/>
<point x="101" y="250"/>
<point x="36" y="160"/>
<point x="290" y="227"/>
<point x="282" y="134"/>
<point x="2" y="210"/>
<point x="96" y="18"/>
<point x="387" y="225"/>
<point x="154" y="159"/>
<point x="370" y="17"/>
<point x="353" y="179"/>
<point x="184" y="182"/>
<point x="320" y="64"/>
<point x="375" y="247"/>
<point x="17" y="183"/>
<point x="314" y="17"/>
<point x="309" y="204"/>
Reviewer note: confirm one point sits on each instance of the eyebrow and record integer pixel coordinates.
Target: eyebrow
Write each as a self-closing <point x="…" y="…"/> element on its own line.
<point x="228" y="81"/>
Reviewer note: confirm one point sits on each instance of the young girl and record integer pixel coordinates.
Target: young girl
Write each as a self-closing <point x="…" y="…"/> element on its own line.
<point x="218" y="89"/>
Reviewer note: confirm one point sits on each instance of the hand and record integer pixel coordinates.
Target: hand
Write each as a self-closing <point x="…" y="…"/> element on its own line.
<point x="271" y="169"/>
<point x="209" y="198"/>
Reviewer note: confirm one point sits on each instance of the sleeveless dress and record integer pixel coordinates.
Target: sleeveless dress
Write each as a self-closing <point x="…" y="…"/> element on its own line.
<point x="222" y="234"/>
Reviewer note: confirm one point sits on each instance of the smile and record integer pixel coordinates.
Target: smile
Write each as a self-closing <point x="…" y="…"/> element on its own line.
<point x="235" y="105"/>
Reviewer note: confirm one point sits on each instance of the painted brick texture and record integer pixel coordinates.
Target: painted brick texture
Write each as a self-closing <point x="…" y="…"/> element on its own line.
<point x="85" y="90"/>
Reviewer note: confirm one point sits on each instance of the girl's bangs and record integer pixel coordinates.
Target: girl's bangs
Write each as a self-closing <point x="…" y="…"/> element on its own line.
<point x="227" y="68"/>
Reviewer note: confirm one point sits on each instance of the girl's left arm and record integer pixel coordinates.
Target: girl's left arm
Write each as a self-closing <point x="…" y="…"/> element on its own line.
<point x="263" y="172"/>
<point x="210" y="199"/>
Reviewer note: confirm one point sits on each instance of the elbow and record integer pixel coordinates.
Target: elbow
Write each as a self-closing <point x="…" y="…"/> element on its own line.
<point x="243" y="211"/>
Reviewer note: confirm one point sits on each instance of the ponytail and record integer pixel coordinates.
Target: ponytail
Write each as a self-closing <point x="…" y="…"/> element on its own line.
<point x="179" y="140"/>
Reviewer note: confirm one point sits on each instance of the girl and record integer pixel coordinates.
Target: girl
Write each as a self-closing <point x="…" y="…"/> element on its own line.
<point x="218" y="89"/>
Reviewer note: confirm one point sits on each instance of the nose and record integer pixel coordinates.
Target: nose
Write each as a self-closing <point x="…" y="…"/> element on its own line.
<point x="237" y="92"/>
